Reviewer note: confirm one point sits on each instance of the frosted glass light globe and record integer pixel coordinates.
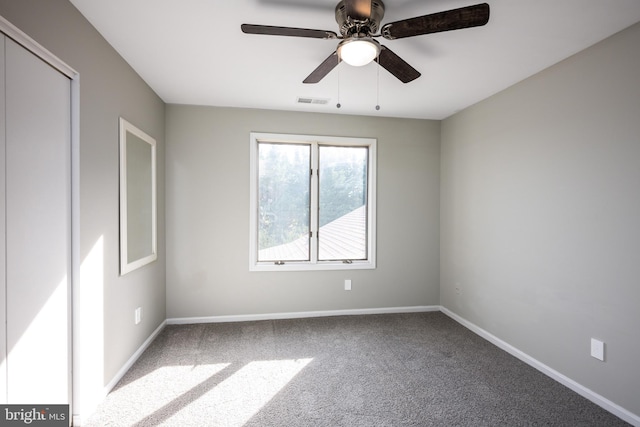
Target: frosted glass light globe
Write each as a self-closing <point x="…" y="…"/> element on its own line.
<point x="358" y="52"/>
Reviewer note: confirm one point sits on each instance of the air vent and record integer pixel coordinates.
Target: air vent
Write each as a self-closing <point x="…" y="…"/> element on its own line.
<point x="317" y="101"/>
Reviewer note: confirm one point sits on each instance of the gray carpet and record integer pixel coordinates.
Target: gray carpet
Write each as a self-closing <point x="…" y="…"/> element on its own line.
<point x="420" y="369"/>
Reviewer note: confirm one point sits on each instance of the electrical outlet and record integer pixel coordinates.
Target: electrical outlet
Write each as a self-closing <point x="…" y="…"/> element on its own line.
<point x="347" y="285"/>
<point x="138" y="315"/>
<point x="597" y="349"/>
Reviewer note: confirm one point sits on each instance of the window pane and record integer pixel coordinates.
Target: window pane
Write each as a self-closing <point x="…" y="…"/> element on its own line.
<point x="343" y="203"/>
<point x="283" y="202"/>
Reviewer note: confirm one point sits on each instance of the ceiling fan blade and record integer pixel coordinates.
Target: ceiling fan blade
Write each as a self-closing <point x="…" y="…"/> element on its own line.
<point x="358" y="9"/>
<point x="323" y="69"/>
<point x="455" y="19"/>
<point x="396" y="65"/>
<point x="287" y="31"/>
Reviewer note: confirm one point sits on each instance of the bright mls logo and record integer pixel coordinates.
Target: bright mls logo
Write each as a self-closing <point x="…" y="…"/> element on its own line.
<point x="36" y="415"/>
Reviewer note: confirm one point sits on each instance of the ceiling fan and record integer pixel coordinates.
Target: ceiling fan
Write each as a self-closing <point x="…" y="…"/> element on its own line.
<point x="359" y="21"/>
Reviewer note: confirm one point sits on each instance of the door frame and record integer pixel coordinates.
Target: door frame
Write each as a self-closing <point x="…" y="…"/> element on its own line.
<point x="18" y="36"/>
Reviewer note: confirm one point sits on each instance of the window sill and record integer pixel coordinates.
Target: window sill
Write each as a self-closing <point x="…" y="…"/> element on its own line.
<point x="305" y="266"/>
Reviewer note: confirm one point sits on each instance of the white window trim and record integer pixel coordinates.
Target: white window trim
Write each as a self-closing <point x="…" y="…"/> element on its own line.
<point x="370" y="263"/>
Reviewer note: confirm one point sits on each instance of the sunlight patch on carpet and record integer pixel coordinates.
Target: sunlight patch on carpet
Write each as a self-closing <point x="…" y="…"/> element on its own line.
<point x="238" y="398"/>
<point x="159" y="389"/>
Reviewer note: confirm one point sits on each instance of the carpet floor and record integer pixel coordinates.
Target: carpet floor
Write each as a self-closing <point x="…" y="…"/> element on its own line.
<point x="420" y="369"/>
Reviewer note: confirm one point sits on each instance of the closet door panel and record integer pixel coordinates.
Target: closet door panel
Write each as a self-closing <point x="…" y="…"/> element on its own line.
<point x="3" y="284"/>
<point x="37" y="229"/>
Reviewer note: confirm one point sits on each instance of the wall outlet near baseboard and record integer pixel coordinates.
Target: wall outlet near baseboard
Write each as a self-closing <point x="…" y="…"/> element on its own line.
<point x="138" y="315"/>
<point x="597" y="349"/>
<point x="347" y="285"/>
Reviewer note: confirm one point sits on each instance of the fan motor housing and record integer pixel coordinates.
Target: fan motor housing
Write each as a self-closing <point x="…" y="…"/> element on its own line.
<point x="359" y="24"/>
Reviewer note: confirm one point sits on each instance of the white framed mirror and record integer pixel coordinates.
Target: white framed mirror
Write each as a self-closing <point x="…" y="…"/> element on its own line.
<point x="138" y="233"/>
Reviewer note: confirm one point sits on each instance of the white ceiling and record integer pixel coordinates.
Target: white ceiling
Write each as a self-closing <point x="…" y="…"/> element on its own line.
<point x="193" y="52"/>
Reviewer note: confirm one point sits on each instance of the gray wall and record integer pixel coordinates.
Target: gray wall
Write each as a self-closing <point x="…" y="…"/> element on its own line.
<point x="208" y="216"/>
<point x="541" y="216"/>
<point x="109" y="88"/>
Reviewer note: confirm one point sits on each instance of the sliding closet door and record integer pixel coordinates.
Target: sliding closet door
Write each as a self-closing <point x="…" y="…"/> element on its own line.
<point x="3" y="284"/>
<point x="38" y="223"/>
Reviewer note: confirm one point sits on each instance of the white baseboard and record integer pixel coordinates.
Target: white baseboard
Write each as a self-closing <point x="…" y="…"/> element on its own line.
<point x="301" y="314"/>
<point x="78" y="419"/>
<point x="601" y="401"/>
<point x="107" y="389"/>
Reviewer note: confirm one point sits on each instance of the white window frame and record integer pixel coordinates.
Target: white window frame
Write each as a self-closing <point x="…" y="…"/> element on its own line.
<point x="314" y="264"/>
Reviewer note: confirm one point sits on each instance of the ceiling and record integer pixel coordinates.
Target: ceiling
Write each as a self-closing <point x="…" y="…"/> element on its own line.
<point x="193" y="51"/>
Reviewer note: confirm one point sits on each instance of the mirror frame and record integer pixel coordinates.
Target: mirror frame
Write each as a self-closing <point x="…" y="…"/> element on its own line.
<point x="127" y="265"/>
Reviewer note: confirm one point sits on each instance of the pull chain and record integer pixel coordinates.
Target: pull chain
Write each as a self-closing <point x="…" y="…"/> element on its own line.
<point x="339" y="72"/>
<point x="378" y="85"/>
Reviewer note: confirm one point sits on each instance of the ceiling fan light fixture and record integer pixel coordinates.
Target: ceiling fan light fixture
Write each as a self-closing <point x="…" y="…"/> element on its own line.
<point x="358" y="51"/>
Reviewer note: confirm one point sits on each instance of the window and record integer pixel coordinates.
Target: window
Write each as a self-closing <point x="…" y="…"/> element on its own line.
<point x="312" y="203"/>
